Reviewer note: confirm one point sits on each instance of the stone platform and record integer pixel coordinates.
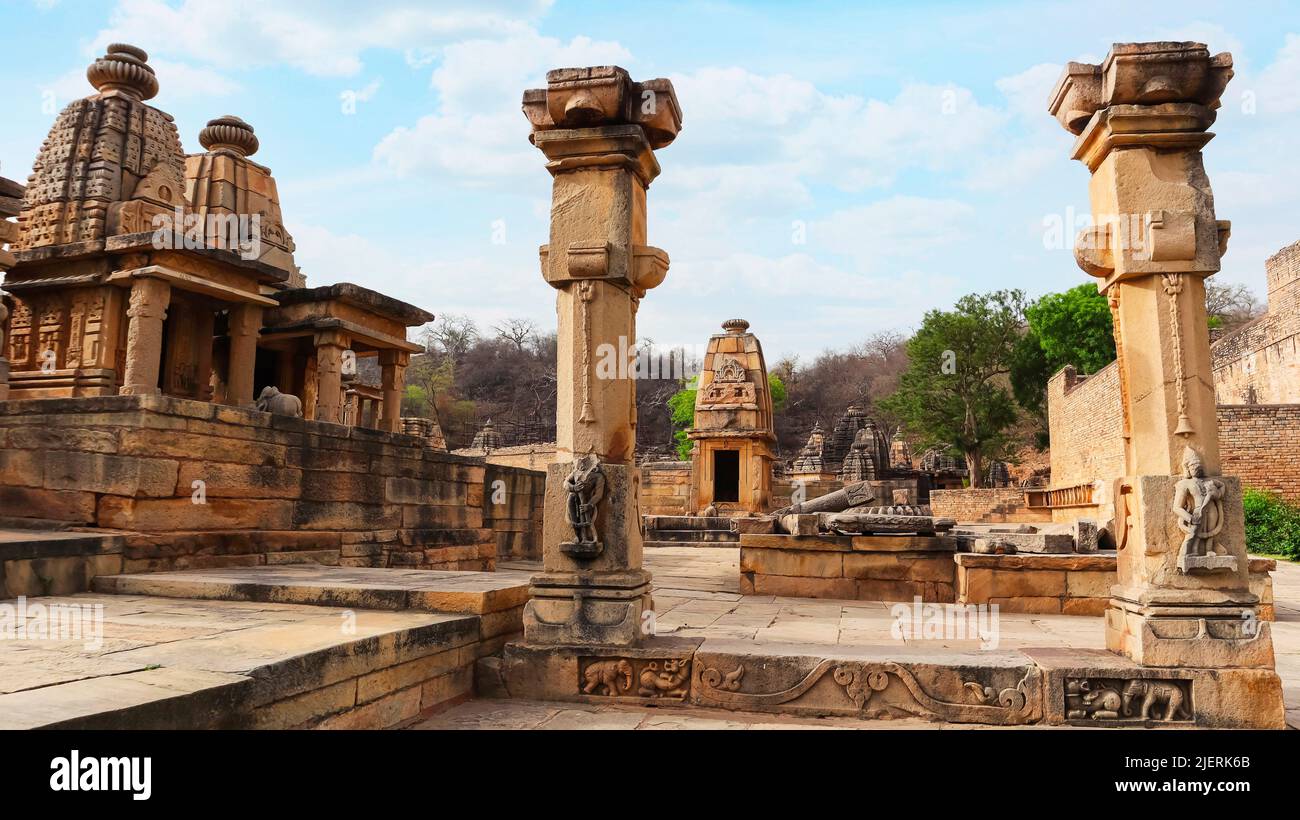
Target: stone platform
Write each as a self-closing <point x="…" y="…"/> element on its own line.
<point x="262" y="647"/>
<point x="850" y="567"/>
<point x="699" y="607"/>
<point x="169" y="663"/>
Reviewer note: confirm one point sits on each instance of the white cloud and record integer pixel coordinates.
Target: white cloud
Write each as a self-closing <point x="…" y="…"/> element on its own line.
<point x="321" y="38"/>
<point x="478" y="131"/>
<point x="1027" y="92"/>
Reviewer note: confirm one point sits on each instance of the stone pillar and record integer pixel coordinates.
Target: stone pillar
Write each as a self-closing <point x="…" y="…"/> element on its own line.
<point x="392" y="365"/>
<point x="4" y="348"/>
<point x="1183" y="598"/>
<point x="329" y="375"/>
<point x="144" y="336"/>
<point x="203" y="329"/>
<point x="245" y="325"/>
<point x="599" y="132"/>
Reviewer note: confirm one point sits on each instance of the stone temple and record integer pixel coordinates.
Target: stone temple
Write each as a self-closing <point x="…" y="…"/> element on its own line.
<point x="209" y="456"/>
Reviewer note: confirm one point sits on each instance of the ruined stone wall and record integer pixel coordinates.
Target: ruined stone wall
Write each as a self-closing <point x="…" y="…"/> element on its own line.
<point x="274" y="489"/>
<point x="1257" y="442"/>
<point x="1260" y="363"/>
<point x="513" y="499"/>
<point x="991" y="504"/>
<point x="1260" y="443"/>
<point x="1085" y="422"/>
<point x="666" y="488"/>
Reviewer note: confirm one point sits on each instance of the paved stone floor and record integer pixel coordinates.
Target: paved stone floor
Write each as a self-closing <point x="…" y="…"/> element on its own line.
<point x="697" y="595"/>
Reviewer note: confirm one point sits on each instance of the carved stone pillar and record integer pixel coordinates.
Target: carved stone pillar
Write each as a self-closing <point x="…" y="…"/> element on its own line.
<point x="144" y="336"/>
<point x="4" y="342"/>
<point x="1183" y="598"/>
<point x="599" y="132"/>
<point x="392" y="365"/>
<point x="245" y="325"/>
<point x="329" y="376"/>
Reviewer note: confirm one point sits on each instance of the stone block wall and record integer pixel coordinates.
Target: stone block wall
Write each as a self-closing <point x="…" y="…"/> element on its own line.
<point x="1085" y="422"/>
<point x="513" y="499"/>
<point x="193" y="484"/>
<point x="666" y="488"/>
<point x="1260" y="443"/>
<point x="992" y="504"/>
<point x="1260" y="362"/>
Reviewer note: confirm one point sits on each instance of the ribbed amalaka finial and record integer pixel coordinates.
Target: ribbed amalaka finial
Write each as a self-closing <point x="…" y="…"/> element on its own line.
<point x="124" y="68"/>
<point x="229" y="133"/>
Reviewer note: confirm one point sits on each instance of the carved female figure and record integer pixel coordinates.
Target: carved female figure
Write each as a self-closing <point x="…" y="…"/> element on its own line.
<point x="1198" y="504"/>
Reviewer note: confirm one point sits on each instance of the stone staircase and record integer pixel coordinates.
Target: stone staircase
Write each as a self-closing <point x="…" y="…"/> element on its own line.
<point x="688" y="531"/>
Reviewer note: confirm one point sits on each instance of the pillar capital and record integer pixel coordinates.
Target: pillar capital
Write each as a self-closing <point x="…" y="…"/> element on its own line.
<point x="331" y="338"/>
<point x="1141" y="118"/>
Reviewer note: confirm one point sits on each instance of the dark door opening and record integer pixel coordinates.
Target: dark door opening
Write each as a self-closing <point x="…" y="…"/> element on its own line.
<point x="726" y="475"/>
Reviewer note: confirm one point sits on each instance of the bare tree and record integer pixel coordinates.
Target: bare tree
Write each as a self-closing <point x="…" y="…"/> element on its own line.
<point x="516" y="331"/>
<point x="452" y="335"/>
<point x="1231" y="306"/>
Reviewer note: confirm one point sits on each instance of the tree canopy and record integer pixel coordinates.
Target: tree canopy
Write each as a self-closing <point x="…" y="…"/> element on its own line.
<point x="1069" y="328"/>
<point x="954" y="393"/>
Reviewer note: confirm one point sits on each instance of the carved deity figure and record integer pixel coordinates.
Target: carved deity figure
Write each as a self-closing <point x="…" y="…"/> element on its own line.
<point x="671" y="682"/>
<point x="4" y="317"/>
<point x="585" y="487"/>
<point x="1198" y="503"/>
<point x="273" y="401"/>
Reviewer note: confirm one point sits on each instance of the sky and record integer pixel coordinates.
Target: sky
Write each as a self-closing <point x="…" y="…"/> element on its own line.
<point x="842" y="167"/>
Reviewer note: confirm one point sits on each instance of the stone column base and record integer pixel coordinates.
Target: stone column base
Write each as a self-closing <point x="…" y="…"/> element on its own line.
<point x="1081" y="685"/>
<point x="604" y="608"/>
<point x="1189" y="636"/>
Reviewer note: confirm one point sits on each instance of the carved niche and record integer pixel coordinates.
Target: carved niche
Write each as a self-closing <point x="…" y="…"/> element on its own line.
<point x="584" y="488"/>
<point x="730" y="386"/>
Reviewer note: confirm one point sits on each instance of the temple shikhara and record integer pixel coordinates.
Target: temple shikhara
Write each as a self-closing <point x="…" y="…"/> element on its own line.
<point x="215" y="451"/>
<point x="142" y="270"/>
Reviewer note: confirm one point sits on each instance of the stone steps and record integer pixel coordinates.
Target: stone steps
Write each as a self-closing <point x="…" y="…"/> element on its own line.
<point x="688" y="531"/>
<point x="688" y="544"/>
<point x="694" y="536"/>
<point x="297" y="646"/>
<point x="172" y="663"/>
<point x="685" y="522"/>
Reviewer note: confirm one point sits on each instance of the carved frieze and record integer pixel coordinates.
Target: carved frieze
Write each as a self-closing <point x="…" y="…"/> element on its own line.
<point x="659" y="678"/>
<point x="877" y="690"/>
<point x="1136" y="700"/>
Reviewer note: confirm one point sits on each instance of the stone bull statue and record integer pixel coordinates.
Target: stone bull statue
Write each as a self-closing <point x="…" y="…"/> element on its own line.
<point x="281" y="404"/>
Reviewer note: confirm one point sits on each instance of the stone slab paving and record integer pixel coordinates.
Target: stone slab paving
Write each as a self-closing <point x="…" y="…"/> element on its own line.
<point x="192" y="653"/>
<point x="696" y="593"/>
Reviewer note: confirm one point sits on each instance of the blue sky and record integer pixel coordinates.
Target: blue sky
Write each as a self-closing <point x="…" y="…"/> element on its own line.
<point x="842" y="167"/>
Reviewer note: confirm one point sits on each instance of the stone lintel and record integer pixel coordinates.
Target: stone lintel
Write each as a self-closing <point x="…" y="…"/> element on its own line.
<point x="369" y="336"/>
<point x="189" y="282"/>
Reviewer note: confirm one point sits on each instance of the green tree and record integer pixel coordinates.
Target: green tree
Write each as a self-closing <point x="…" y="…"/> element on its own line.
<point x="954" y="392"/>
<point x="1070" y="328"/>
<point x="681" y="407"/>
